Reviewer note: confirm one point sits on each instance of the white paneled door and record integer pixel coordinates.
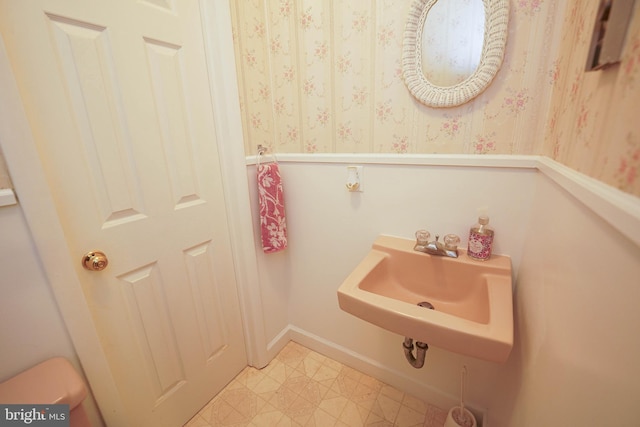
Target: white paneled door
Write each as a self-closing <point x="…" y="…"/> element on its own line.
<point x="118" y="100"/>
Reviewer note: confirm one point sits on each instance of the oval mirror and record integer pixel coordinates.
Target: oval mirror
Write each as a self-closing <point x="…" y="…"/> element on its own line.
<point x="452" y="39"/>
<point x="436" y="70"/>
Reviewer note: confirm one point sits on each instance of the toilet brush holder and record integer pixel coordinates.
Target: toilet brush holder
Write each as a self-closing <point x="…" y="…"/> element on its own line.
<point x="460" y="417"/>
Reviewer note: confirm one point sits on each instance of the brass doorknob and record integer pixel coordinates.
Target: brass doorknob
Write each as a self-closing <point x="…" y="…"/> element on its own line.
<point x="95" y="261"/>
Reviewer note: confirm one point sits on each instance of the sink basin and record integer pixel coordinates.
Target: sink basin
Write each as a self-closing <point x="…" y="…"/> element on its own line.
<point x="472" y="300"/>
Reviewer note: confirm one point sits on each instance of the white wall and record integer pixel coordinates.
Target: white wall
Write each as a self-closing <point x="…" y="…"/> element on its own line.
<point x="577" y="289"/>
<point x="577" y="346"/>
<point x="570" y="266"/>
<point x="31" y="328"/>
<point x="331" y="230"/>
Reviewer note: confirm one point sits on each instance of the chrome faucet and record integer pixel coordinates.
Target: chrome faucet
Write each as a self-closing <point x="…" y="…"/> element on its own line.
<point x="449" y="248"/>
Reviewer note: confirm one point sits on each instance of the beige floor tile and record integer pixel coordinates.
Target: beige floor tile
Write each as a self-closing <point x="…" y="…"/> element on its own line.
<point x="321" y="418"/>
<point x="292" y="354"/>
<point x="334" y="406"/>
<point x="345" y="385"/>
<point x="303" y="420"/>
<point x="263" y="405"/>
<point x="351" y="373"/>
<point x="285" y="421"/>
<point x="364" y="393"/>
<point x="408" y="417"/>
<point x="386" y="408"/>
<point x="324" y="386"/>
<point x="267" y="419"/>
<point x="371" y="382"/>
<point x="302" y="388"/>
<point x="283" y="398"/>
<point x="277" y="370"/>
<point x="310" y="366"/>
<point x="435" y="417"/>
<point x="253" y="377"/>
<point x="317" y="356"/>
<point x="266" y="385"/>
<point x="392" y="393"/>
<point x="415" y="403"/>
<point x="223" y="414"/>
<point x="312" y="392"/>
<point x="377" y="421"/>
<point x="301" y="407"/>
<point x="333" y="391"/>
<point x="197" y="421"/>
<point x="296" y="384"/>
<point x="353" y="415"/>
<point x="325" y="373"/>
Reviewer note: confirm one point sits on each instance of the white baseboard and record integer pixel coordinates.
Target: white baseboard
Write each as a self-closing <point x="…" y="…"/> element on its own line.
<point x="7" y="197"/>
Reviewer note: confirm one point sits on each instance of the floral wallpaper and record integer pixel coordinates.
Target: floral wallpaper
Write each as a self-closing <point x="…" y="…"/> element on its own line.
<point x="324" y="76"/>
<point x="593" y="123"/>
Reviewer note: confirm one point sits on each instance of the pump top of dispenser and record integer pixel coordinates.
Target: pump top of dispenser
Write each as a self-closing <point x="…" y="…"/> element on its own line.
<point x="483" y="220"/>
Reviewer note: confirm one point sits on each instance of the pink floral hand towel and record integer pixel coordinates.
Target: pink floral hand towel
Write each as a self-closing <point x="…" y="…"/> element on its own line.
<point x="272" y="219"/>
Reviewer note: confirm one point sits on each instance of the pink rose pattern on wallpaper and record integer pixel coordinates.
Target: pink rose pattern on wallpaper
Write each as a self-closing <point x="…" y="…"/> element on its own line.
<point x="592" y="125"/>
<point x="485" y="144"/>
<point x="629" y="164"/>
<point x="326" y="77"/>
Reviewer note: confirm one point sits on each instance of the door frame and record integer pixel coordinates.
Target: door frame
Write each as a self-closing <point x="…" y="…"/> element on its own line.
<point x="221" y="67"/>
<point x="51" y="248"/>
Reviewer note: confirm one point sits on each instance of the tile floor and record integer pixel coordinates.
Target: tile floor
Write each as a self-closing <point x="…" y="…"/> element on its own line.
<point x="303" y="388"/>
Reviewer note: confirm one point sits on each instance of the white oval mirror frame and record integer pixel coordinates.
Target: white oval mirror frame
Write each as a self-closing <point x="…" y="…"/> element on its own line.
<point x="496" y="22"/>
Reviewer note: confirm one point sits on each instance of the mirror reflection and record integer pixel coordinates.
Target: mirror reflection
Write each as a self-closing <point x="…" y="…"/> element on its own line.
<point x="452" y="40"/>
<point x="477" y="73"/>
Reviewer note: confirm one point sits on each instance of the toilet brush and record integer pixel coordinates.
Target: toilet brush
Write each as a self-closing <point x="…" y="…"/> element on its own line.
<point x="459" y="416"/>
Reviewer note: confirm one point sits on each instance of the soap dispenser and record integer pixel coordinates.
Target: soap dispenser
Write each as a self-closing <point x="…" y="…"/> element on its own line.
<point x="480" y="240"/>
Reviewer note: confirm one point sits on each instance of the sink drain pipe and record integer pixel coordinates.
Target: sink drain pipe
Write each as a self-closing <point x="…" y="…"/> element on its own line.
<point x="416" y="361"/>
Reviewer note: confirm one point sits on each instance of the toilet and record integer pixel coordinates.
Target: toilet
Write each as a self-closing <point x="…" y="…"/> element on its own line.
<point x="53" y="381"/>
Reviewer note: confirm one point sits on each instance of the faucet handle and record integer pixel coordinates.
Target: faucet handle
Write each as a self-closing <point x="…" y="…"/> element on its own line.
<point x="422" y="237"/>
<point x="451" y="241"/>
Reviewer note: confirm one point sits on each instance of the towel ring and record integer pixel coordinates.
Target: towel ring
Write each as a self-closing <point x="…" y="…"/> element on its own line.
<point x="262" y="152"/>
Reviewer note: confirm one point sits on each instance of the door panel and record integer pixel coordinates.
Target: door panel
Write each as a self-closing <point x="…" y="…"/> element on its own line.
<point x="85" y="57"/>
<point x="151" y="324"/>
<point x="207" y="302"/>
<point x="165" y="63"/>
<point x="117" y="96"/>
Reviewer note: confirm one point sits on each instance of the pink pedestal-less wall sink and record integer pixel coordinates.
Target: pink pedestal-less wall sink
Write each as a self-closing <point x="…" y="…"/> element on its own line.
<point x="472" y="300"/>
